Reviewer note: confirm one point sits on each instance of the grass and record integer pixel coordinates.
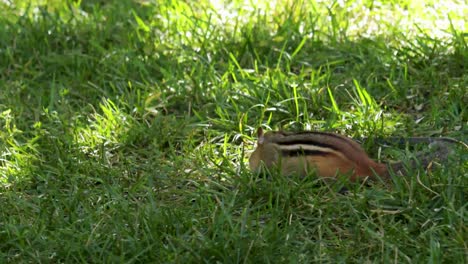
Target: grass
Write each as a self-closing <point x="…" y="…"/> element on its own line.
<point x="126" y="128"/>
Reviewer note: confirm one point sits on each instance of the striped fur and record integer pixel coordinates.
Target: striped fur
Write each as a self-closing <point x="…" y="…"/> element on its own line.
<point x="329" y="155"/>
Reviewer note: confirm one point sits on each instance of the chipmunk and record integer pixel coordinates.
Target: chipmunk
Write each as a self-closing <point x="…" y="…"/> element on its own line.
<point x="330" y="154"/>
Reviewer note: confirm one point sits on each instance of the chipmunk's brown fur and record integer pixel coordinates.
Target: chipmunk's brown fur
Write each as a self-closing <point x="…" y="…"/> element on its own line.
<point x="327" y="154"/>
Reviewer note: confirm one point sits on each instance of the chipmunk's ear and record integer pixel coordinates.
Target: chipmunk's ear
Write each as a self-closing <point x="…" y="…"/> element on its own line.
<point x="260" y="136"/>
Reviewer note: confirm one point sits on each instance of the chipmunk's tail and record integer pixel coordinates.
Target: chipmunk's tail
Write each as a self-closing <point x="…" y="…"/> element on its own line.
<point x="438" y="151"/>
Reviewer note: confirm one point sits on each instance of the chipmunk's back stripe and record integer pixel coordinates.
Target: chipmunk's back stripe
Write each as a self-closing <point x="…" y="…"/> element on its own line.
<point x="306" y="150"/>
<point x="343" y="139"/>
<point x="303" y="152"/>
<point x="306" y="142"/>
<point x="308" y="137"/>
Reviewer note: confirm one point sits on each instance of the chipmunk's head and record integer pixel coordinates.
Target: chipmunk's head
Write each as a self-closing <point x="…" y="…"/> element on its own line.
<point x="265" y="152"/>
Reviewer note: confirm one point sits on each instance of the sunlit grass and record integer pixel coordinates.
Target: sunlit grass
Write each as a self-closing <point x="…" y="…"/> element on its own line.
<point x="126" y="127"/>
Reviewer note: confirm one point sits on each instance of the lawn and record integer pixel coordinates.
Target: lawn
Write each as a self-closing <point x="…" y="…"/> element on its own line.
<point x="126" y="127"/>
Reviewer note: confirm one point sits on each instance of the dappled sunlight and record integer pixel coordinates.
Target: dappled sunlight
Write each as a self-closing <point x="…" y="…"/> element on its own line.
<point x="126" y="129"/>
<point x="36" y="9"/>
<point x="234" y="13"/>
<point x="414" y="17"/>
<point x="434" y="18"/>
<point x="105" y="131"/>
<point x="18" y="152"/>
<point x="225" y="156"/>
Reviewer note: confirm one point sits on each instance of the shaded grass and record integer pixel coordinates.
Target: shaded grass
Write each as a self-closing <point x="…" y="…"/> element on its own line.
<point x="125" y="130"/>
